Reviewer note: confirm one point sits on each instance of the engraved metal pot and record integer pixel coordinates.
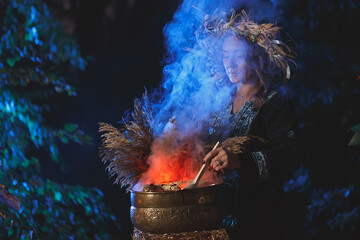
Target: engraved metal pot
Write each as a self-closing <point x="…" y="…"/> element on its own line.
<point x="182" y="211"/>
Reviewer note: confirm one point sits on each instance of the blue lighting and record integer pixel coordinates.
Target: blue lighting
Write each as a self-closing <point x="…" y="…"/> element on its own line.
<point x="33" y="14"/>
<point x="346" y="194"/>
<point x="26" y="186"/>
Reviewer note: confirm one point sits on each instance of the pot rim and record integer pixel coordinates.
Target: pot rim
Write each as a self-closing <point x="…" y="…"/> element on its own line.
<point x="182" y="190"/>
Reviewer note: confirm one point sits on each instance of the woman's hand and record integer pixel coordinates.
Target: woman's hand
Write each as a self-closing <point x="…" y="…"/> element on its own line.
<point x="220" y="159"/>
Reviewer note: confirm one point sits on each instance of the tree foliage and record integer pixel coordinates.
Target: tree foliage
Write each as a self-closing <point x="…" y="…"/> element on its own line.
<point x="326" y="92"/>
<point x="37" y="58"/>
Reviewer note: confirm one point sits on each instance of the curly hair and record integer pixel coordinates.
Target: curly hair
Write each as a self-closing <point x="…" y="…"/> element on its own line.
<point x="267" y="60"/>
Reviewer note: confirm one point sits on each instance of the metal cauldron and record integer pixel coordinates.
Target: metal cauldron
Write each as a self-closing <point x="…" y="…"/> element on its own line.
<point x="182" y="211"/>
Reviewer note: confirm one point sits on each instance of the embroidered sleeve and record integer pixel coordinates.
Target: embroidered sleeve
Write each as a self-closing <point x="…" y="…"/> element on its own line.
<point x="254" y="166"/>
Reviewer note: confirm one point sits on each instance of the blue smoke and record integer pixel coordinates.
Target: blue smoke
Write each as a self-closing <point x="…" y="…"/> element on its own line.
<point x="190" y="91"/>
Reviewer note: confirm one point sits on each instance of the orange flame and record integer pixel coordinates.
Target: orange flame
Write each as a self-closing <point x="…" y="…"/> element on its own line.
<point x="175" y="159"/>
<point x="166" y="169"/>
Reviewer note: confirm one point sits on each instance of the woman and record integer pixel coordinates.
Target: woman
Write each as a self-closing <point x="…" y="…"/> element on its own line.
<point x="254" y="61"/>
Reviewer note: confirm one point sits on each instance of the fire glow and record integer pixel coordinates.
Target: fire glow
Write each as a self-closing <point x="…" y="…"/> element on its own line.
<point x="166" y="168"/>
<point x="176" y="160"/>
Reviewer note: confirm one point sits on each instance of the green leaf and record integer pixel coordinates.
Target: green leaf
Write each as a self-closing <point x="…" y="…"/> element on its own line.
<point x="75" y="138"/>
<point x="59" y="89"/>
<point x="70" y="127"/>
<point x="88" y="140"/>
<point x="355" y="140"/>
<point x="27" y="37"/>
<point x="87" y="210"/>
<point x="64" y="139"/>
<point x="10" y="232"/>
<point x="34" y="161"/>
<point x="40" y="191"/>
<point x="25" y="163"/>
<point x="58" y="196"/>
<point x="54" y="153"/>
<point x="356" y="128"/>
<point x="10" y="61"/>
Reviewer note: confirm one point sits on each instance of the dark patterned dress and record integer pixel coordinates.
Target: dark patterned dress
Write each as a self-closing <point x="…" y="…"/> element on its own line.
<point x="256" y="197"/>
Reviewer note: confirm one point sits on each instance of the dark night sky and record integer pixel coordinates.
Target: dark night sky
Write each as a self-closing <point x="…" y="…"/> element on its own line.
<point x="125" y="40"/>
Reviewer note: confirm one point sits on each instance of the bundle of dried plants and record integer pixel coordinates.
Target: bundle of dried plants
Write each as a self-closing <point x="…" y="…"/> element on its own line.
<point x="125" y="150"/>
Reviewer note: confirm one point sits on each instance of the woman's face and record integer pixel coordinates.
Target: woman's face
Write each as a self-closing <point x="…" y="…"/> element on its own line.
<point x="234" y="56"/>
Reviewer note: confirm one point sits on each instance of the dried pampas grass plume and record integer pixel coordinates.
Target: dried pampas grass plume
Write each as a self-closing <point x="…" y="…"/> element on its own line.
<point x="125" y="150"/>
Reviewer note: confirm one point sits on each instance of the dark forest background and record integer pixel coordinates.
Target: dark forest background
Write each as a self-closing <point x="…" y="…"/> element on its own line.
<point x="67" y="65"/>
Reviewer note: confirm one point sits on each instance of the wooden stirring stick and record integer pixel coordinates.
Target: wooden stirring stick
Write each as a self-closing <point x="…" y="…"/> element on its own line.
<point x="196" y="180"/>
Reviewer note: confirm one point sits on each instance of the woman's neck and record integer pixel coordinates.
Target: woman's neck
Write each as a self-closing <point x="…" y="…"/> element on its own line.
<point x="245" y="90"/>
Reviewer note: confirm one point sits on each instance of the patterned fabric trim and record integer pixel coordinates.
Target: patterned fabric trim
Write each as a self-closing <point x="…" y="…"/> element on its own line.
<point x="241" y="121"/>
<point x="260" y="160"/>
<point x="240" y="124"/>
